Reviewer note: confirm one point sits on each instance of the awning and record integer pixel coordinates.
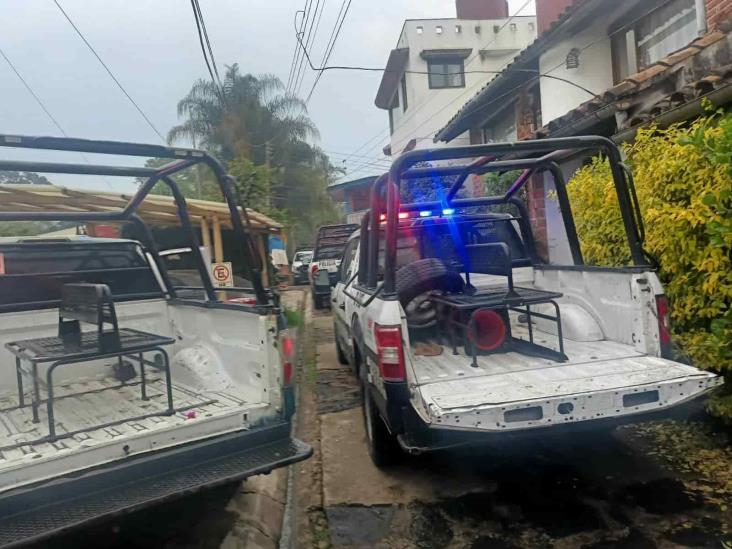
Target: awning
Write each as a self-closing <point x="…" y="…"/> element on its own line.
<point x="445" y="54"/>
<point x="390" y="78"/>
<point x="155" y="209"/>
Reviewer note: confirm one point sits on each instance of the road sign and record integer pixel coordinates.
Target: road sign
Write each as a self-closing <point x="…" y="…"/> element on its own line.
<point x="222" y="274"/>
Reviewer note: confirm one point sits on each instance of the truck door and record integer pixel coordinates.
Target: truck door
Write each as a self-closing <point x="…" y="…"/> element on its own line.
<point x="340" y="307"/>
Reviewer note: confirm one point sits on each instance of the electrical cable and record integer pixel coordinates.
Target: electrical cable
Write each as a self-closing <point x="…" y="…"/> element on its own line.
<point x="109" y="71"/>
<point x="199" y="13"/>
<point x="308" y="40"/>
<point x="470" y="60"/>
<point x="299" y="32"/>
<point x="329" y="51"/>
<point x="310" y="44"/>
<point x="44" y="108"/>
<point x="295" y="52"/>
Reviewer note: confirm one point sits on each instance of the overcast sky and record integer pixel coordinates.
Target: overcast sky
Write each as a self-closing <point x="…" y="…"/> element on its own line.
<point x="152" y="47"/>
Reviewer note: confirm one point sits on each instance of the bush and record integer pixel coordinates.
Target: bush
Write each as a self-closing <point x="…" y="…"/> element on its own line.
<point x="683" y="178"/>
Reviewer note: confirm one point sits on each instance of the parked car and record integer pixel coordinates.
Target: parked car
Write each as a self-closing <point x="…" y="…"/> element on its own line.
<point x="460" y="333"/>
<point x="300" y="264"/>
<point x="329" y="244"/>
<point x="118" y="390"/>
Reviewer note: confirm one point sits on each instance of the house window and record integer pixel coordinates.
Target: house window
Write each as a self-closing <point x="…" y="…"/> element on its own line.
<point x="653" y="36"/>
<point x="502" y="128"/>
<point x="446" y="74"/>
<point x="404" y="93"/>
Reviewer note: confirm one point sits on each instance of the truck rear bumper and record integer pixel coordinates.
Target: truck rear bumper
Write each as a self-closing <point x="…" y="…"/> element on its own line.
<point x="420" y="437"/>
<point x="40" y="511"/>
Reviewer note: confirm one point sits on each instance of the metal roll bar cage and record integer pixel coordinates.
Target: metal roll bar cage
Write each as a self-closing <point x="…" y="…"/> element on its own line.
<point x="182" y="158"/>
<point x="490" y="160"/>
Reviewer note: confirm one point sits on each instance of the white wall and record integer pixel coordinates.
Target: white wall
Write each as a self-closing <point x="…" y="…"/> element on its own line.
<point x="594" y="71"/>
<point x="430" y="109"/>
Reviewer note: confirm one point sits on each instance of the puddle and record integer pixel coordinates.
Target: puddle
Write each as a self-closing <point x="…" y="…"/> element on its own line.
<point x="634" y="539"/>
<point x="359" y="526"/>
<point x="551" y="502"/>
<point x="489" y="542"/>
<point x="664" y="496"/>
<point x="694" y="537"/>
<point x="337" y="391"/>
<point x="430" y="529"/>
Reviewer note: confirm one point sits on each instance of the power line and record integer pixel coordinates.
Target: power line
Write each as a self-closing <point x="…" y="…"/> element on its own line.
<point x="310" y="41"/>
<point x="470" y="60"/>
<point x="35" y="96"/>
<point x="295" y="52"/>
<point x="43" y="107"/>
<point x="299" y="32"/>
<point x="332" y="46"/>
<point x="201" y="26"/>
<point x="109" y="71"/>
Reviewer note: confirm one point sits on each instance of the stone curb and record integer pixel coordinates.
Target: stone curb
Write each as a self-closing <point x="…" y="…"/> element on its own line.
<point x="259" y="505"/>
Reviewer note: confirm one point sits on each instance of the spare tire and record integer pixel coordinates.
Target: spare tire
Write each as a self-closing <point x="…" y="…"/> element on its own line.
<point x="416" y="281"/>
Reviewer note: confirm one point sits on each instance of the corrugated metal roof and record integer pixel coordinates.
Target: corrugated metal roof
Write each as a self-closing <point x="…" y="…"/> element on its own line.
<point x="155" y="209"/>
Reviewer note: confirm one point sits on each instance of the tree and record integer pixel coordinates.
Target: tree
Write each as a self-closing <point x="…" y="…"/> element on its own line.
<point x="247" y="116"/>
<point x="22" y="178"/>
<point x="250" y="124"/>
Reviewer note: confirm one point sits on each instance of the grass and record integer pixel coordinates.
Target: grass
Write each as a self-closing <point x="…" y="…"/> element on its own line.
<point x="294" y="318"/>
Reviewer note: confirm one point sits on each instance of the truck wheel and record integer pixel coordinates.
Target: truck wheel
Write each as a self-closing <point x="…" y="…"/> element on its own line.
<point x="382" y="446"/>
<point x="342" y="358"/>
<point x="414" y="283"/>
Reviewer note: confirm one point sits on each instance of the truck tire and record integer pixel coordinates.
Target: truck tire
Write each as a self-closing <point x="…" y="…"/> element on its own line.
<point x="342" y="358"/>
<point x="414" y="283"/>
<point x="382" y="446"/>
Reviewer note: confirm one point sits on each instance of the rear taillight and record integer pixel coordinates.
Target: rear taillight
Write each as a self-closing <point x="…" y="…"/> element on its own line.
<point x="664" y="325"/>
<point x="390" y="352"/>
<point x="287" y="356"/>
<point x="243" y="300"/>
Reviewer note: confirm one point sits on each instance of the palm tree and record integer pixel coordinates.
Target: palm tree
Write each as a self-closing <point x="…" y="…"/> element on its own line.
<point x="242" y="117"/>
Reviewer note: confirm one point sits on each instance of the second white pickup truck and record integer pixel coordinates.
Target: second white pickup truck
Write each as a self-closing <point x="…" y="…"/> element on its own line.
<point x="459" y="332"/>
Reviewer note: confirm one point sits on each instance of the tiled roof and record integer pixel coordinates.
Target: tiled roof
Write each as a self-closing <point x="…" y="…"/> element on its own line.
<point x="700" y="68"/>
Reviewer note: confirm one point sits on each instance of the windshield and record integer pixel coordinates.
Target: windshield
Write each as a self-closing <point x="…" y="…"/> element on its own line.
<point x="304" y="257"/>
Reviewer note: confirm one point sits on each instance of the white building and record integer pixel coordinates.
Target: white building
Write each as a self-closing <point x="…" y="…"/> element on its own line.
<point x="438" y="64"/>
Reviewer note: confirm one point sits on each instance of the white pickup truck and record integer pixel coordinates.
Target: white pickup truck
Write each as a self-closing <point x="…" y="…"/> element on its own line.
<point x="459" y="332"/>
<point x="119" y="388"/>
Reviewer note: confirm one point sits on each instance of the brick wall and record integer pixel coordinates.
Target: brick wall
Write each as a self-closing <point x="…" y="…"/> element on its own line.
<point x="718" y="11"/>
<point x="481" y="9"/>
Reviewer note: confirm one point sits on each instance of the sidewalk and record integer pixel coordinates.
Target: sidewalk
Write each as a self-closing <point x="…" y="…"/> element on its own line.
<point x="259" y="504"/>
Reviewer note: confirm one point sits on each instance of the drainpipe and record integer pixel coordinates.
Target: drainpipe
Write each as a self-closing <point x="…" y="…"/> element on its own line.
<point x="701" y="16"/>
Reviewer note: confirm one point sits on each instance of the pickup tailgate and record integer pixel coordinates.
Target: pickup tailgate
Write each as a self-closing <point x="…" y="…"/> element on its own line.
<point x="562" y="393"/>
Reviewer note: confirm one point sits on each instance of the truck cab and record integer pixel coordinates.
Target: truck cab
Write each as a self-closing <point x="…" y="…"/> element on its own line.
<point x="461" y="333"/>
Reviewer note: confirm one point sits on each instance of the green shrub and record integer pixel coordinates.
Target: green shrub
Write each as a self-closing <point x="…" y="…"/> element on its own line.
<point x="683" y="178"/>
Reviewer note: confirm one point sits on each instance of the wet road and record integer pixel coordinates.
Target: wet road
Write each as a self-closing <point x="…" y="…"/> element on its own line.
<point x="657" y="486"/>
<point x="662" y="485"/>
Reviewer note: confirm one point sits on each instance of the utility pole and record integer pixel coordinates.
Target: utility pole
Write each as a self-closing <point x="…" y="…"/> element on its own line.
<point x="268" y="153"/>
<point x="199" y="181"/>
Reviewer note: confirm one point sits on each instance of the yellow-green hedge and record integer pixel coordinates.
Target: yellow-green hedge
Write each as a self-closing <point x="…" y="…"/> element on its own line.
<point x="682" y="177"/>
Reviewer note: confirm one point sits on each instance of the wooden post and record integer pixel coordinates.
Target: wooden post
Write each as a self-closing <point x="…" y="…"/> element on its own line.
<point x="264" y="258"/>
<point x="205" y="233"/>
<point x="218" y="245"/>
<point x="218" y="242"/>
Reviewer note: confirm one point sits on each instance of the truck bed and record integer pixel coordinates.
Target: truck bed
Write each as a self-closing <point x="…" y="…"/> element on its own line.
<point x="81" y="406"/>
<point x="597" y="381"/>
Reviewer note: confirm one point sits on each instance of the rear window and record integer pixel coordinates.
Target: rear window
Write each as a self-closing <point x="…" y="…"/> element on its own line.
<point x="35" y="271"/>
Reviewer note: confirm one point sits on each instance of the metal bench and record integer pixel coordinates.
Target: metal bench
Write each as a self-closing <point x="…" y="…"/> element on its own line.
<point x="89" y="304"/>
